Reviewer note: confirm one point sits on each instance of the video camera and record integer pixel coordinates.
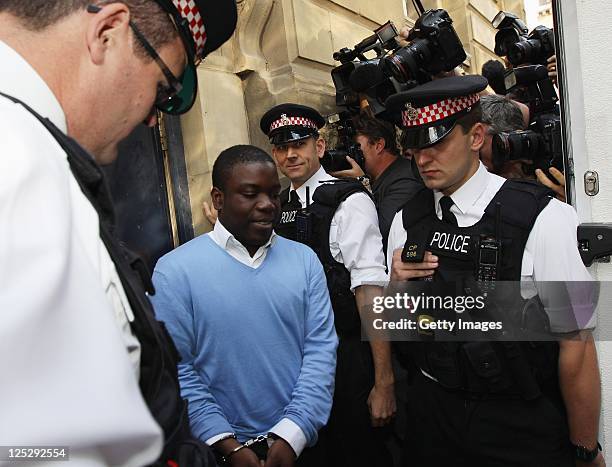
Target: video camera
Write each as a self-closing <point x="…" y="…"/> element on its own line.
<point x="513" y="41"/>
<point x="541" y="143"/>
<point x="434" y="48"/>
<point x="358" y="74"/>
<point x="362" y="82"/>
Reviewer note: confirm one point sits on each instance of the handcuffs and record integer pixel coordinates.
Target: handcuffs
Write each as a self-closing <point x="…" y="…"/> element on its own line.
<point x="246" y="444"/>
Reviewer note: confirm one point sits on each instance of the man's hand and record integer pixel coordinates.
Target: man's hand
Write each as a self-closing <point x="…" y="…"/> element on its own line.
<point x="280" y="454"/>
<point x="245" y="458"/>
<point x="551" y="66"/>
<point x="558" y="189"/>
<point x="355" y="171"/>
<point x="401" y="271"/>
<point x="381" y="403"/>
<point x="209" y="212"/>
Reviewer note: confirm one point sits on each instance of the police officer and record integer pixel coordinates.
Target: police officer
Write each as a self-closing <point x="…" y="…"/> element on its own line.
<point x="337" y="218"/>
<point x="76" y="78"/>
<point x="526" y="409"/>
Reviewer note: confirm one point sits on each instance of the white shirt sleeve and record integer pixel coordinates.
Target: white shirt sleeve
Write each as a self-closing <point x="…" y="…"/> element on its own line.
<point x="552" y="260"/>
<point x="292" y="433"/>
<point x="212" y="440"/>
<point x="356" y="242"/>
<point x="67" y="378"/>
<point x="552" y="246"/>
<point x="397" y="237"/>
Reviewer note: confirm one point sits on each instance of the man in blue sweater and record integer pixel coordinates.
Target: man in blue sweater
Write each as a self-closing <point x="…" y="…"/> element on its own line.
<point x="250" y="314"/>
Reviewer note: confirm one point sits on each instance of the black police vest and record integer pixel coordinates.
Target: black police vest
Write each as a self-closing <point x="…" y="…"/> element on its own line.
<point x="159" y="358"/>
<point x="326" y="199"/>
<point x="482" y="367"/>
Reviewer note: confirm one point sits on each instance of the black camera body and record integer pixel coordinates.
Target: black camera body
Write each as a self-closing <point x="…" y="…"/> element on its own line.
<point x="364" y="77"/>
<point x="513" y="41"/>
<point x="541" y="143"/>
<point x="531" y="85"/>
<point x="536" y="48"/>
<point x="335" y="159"/>
<point x="434" y="47"/>
<point x="358" y="74"/>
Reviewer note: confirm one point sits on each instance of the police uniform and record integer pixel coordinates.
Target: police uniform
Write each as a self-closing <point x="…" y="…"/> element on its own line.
<point x="513" y="415"/>
<point x="88" y="296"/>
<point x="338" y="219"/>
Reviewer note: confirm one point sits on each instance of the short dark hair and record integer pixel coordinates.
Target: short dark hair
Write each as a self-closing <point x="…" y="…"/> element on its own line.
<point x="501" y="114"/>
<point x="494" y="71"/>
<point x="150" y="18"/>
<point x="236" y="155"/>
<point x="375" y="129"/>
<point x="474" y="116"/>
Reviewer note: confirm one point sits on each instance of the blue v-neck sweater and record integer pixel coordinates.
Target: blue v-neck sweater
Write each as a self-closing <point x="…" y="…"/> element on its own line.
<point x="257" y="345"/>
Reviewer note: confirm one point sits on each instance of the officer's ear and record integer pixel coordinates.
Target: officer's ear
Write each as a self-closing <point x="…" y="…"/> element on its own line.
<point x="320" y="147"/>
<point x="108" y="27"/>
<point x="477" y="137"/>
<point x="217" y="198"/>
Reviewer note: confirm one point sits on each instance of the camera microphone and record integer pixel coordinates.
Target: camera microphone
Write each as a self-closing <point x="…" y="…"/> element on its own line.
<point x="366" y="76"/>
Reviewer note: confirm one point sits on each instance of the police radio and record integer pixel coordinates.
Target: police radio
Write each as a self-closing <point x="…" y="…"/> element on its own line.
<point x="488" y="259"/>
<point x="303" y="222"/>
<point x="489" y="255"/>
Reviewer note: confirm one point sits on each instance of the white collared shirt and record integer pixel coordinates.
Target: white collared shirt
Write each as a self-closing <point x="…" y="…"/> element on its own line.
<point x="222" y="237"/>
<point x="354" y="236"/>
<point x="553" y="232"/>
<point x="64" y="332"/>
<point x="470" y="201"/>
<point x="285" y="428"/>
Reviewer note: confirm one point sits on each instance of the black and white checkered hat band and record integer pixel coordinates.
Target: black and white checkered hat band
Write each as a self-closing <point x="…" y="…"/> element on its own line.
<point x="190" y="11"/>
<point x="293" y="121"/>
<point x="437" y="111"/>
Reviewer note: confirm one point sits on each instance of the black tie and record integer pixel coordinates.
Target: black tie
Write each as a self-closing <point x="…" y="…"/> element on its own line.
<point x="294" y="200"/>
<point x="447" y="216"/>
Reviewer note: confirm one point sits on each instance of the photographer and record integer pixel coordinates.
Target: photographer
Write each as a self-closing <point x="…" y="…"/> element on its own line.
<point x="393" y="182"/>
<point x="500" y="114"/>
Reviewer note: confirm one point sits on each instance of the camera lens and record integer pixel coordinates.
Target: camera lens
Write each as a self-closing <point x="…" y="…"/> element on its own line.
<point x="527" y="51"/>
<point x="503" y="40"/>
<point x="501" y="149"/>
<point x="403" y="65"/>
<point x="520" y="144"/>
<point x="334" y="160"/>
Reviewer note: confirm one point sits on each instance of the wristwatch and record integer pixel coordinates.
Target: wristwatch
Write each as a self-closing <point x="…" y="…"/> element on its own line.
<point x="584" y="454"/>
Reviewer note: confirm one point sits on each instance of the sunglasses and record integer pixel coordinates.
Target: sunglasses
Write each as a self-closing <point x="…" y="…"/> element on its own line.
<point x="169" y="99"/>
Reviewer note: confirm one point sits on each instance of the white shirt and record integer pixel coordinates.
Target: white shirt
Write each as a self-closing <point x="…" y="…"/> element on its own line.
<point x="67" y="377"/>
<point x="222" y="237"/>
<point x="551" y="252"/>
<point x="285" y="428"/>
<point x="354" y="236"/>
